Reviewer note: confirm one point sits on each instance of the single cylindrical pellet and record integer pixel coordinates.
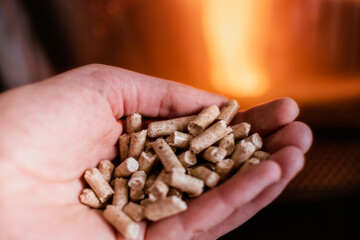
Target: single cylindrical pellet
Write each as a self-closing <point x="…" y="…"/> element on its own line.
<point x="243" y="152"/>
<point x="167" y="156"/>
<point x="148" y="146"/>
<point x="203" y="120"/>
<point x="228" y="143"/>
<point x="261" y="155"/>
<point x="121" y="192"/>
<point x="224" y="167"/>
<point x="228" y="111"/>
<point x="106" y="168"/>
<point x="158" y="190"/>
<point x="149" y="181"/>
<point x="126" y="168"/>
<point x="158" y="177"/>
<point x="209" y="137"/>
<point x="98" y="184"/>
<point x="175" y="192"/>
<point x="208" y="165"/>
<point x="124" y="143"/>
<point x="124" y="224"/>
<point x="173" y="148"/>
<point x="209" y="177"/>
<point x="137" y="143"/>
<point x="248" y="163"/>
<point x="89" y="198"/>
<point x="241" y="130"/>
<point x="146" y="161"/>
<point x="179" y="139"/>
<point x="214" y="154"/>
<point x="136" y="194"/>
<point x="135" y="211"/>
<point x="133" y="123"/>
<point x="256" y="140"/>
<point x="165" y="208"/>
<point x="137" y="180"/>
<point x="185" y="183"/>
<point x="187" y="159"/>
<point x="166" y="127"/>
<point x="145" y="202"/>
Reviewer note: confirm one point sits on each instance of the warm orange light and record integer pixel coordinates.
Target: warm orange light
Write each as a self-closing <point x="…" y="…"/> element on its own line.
<point x="232" y="29"/>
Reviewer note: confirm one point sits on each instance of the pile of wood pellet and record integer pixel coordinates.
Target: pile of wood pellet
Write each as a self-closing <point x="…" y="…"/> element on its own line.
<point x="168" y="163"/>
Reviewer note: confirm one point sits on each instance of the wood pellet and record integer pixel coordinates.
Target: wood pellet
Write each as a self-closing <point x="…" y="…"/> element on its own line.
<point x="159" y="169"/>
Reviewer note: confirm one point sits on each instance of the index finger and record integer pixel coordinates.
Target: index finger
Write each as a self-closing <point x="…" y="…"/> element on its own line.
<point x="269" y="117"/>
<point x="129" y="92"/>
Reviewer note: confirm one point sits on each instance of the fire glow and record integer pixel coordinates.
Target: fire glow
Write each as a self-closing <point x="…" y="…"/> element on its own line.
<point x="232" y="32"/>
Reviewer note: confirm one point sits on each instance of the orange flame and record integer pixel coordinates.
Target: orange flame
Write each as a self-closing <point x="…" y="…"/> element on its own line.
<point x="231" y="30"/>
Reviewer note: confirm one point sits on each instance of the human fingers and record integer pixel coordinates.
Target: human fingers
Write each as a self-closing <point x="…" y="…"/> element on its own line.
<point x="291" y="161"/>
<point x="268" y="117"/>
<point x="213" y="207"/>
<point x="80" y="108"/>
<point x="296" y="134"/>
<point x="129" y="92"/>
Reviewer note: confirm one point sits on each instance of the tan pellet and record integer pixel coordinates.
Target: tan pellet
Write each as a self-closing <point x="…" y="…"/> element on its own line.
<point x="158" y="177"/>
<point x="179" y="139"/>
<point x="261" y="155"/>
<point x="224" y="167"/>
<point x="187" y="159"/>
<point x="228" y="111"/>
<point x="174" y="192"/>
<point x="209" y="177"/>
<point x="228" y="143"/>
<point x="185" y="183"/>
<point x="248" y="163"/>
<point x="106" y="168"/>
<point x="203" y="120"/>
<point x="124" y="224"/>
<point x="208" y="165"/>
<point x="137" y="143"/>
<point x="149" y="181"/>
<point x="133" y="123"/>
<point x="124" y="143"/>
<point x="137" y="180"/>
<point x="89" y="198"/>
<point x="98" y="184"/>
<point x="126" y="168"/>
<point x="210" y="136"/>
<point x="172" y="160"/>
<point x="135" y="211"/>
<point x="146" y="161"/>
<point x="243" y="152"/>
<point x="165" y="208"/>
<point x="145" y="202"/>
<point x="214" y="154"/>
<point x="148" y="146"/>
<point x="167" y="156"/>
<point x="158" y="190"/>
<point x="173" y="148"/>
<point x="121" y="192"/>
<point x="241" y="130"/>
<point x="136" y="194"/>
<point x="166" y="127"/>
<point x="256" y="140"/>
<point x="161" y="176"/>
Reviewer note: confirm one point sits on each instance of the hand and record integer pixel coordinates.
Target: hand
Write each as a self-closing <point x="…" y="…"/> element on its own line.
<point x="54" y="130"/>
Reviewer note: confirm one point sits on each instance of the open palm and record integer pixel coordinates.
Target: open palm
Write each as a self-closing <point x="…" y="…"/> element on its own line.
<point x="54" y="130"/>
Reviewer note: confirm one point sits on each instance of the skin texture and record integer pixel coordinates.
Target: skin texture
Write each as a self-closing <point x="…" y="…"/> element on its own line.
<point x="54" y="130"/>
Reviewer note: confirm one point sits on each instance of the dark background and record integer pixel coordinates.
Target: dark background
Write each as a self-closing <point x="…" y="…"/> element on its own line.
<point x="322" y="202"/>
